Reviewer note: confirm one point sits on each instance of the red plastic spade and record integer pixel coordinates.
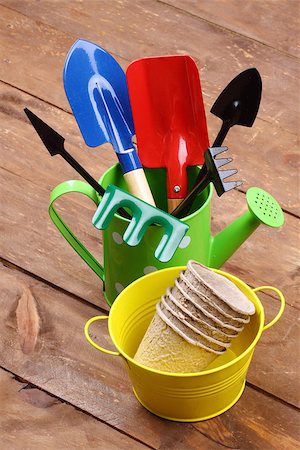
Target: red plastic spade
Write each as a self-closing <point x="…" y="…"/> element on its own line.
<point x="169" y="118"/>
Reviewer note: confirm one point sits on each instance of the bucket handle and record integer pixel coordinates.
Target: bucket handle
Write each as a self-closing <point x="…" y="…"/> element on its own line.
<point x="89" y="339"/>
<point x="282" y="304"/>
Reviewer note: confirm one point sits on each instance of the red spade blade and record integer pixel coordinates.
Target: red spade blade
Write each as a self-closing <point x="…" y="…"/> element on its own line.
<point x="169" y="116"/>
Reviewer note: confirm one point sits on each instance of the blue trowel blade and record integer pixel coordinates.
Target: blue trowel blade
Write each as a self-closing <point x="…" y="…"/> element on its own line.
<point x="95" y="85"/>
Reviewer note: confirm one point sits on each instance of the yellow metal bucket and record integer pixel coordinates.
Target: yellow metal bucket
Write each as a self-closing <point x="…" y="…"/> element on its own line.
<point x="185" y="397"/>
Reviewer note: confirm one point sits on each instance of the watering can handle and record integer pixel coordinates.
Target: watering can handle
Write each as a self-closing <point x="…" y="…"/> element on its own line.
<point x="282" y="304"/>
<point x="83" y="188"/>
<point x="89" y="339"/>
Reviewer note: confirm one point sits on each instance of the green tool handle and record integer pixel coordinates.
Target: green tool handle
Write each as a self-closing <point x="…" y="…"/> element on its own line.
<point x="225" y="243"/>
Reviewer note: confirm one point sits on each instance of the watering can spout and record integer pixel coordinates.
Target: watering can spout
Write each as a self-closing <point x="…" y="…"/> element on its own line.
<point x="225" y="243"/>
<point x="262" y="208"/>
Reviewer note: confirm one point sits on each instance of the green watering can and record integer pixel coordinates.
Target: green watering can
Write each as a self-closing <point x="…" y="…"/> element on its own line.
<point x="123" y="264"/>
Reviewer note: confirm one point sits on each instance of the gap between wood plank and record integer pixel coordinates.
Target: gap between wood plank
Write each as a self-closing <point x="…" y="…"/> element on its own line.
<point x="33" y="386"/>
<point x="222" y="27"/>
<point x="13" y="266"/>
<point x="70" y="112"/>
<point x="116" y="385"/>
<point x="240" y="190"/>
<point x="269" y="394"/>
<point x="166" y="4"/>
<point x="36" y="97"/>
<point x="46" y="24"/>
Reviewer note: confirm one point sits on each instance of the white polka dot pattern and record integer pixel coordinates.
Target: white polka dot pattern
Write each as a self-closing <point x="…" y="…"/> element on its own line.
<point x="119" y="287"/>
<point x="149" y="269"/>
<point x="185" y="242"/>
<point x="117" y="238"/>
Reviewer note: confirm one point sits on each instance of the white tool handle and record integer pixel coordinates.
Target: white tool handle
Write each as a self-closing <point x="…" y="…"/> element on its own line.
<point x="138" y="185"/>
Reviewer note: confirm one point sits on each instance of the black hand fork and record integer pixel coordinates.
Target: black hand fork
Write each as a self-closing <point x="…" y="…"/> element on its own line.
<point x="237" y="104"/>
<point x="211" y="173"/>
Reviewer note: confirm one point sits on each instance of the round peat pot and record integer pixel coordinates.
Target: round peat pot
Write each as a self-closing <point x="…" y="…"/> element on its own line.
<point x="185" y="397"/>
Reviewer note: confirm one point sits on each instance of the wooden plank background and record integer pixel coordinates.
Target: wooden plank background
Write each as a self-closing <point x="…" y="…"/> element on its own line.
<point x="55" y="390"/>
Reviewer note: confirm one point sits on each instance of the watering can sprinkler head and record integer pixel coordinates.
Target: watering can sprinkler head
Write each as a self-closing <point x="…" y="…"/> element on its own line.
<point x="262" y="209"/>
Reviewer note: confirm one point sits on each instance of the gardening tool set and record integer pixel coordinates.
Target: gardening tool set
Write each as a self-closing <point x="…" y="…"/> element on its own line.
<point x="154" y="206"/>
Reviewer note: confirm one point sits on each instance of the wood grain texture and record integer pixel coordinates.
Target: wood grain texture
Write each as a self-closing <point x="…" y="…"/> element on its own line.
<point x="262" y="21"/>
<point x="31" y="241"/>
<point x="32" y="419"/>
<point x="42" y="313"/>
<point x="65" y="365"/>
<point x="23" y="152"/>
<point x="152" y="29"/>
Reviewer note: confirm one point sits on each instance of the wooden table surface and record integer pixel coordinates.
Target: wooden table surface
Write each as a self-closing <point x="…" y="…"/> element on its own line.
<point x="56" y="391"/>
